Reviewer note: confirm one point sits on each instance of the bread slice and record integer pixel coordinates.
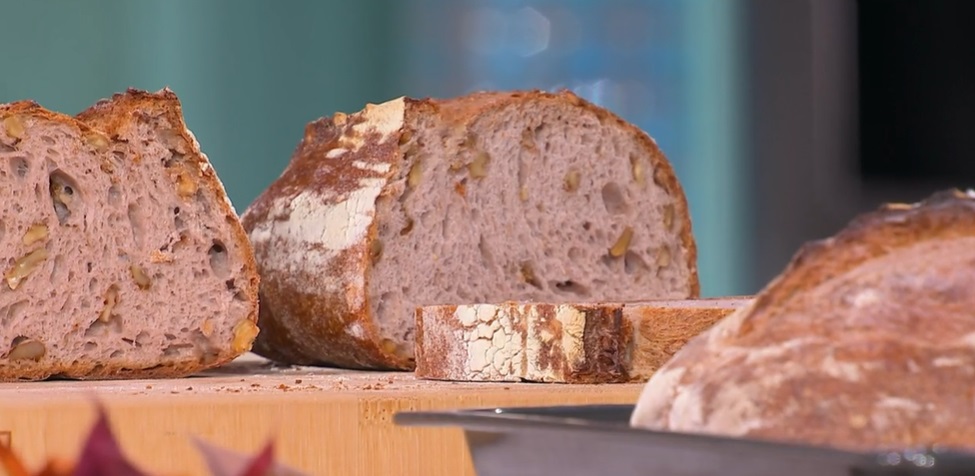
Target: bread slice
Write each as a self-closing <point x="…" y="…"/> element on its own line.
<point x="866" y="341"/>
<point x="523" y="196"/>
<point x="122" y="256"/>
<point x="564" y="343"/>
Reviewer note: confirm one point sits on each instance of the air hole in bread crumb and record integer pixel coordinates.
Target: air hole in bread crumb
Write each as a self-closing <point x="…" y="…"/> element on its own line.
<point x="114" y="195"/>
<point x="202" y="345"/>
<point x="613" y="199"/>
<point x="90" y="346"/>
<point x="64" y="195"/>
<point x="571" y="287"/>
<point x="173" y="159"/>
<point x="169" y="336"/>
<point x="202" y="200"/>
<point x="136" y="223"/>
<point x="633" y="263"/>
<point x="381" y="304"/>
<point x="116" y="354"/>
<point x="219" y="262"/>
<point x="12" y="312"/>
<point x="486" y="256"/>
<point x="18" y="165"/>
<point x="142" y="338"/>
<point x="57" y="265"/>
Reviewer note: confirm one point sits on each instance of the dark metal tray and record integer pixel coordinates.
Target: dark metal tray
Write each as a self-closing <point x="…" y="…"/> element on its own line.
<point x="597" y="440"/>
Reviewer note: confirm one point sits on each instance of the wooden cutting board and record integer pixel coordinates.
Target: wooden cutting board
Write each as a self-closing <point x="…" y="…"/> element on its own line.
<point x="323" y="421"/>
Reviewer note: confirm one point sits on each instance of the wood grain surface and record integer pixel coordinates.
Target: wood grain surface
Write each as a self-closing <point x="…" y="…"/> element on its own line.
<point x="323" y="421"/>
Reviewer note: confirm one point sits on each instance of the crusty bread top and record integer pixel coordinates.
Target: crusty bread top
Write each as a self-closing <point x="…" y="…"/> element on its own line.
<point x="316" y="276"/>
<point x="865" y="341"/>
<point x="105" y="147"/>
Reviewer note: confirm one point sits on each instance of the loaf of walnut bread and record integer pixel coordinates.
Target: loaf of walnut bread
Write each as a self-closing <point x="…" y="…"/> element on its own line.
<point x="865" y="342"/>
<point x="490" y="197"/>
<point x="122" y="256"/>
<point x="562" y="343"/>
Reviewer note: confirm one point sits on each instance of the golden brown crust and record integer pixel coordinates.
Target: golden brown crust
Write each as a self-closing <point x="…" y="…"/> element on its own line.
<point x="865" y="342"/>
<point x="106" y="117"/>
<point x="662" y="331"/>
<point x="307" y="315"/>
<point x="289" y="316"/>
<point x="944" y="214"/>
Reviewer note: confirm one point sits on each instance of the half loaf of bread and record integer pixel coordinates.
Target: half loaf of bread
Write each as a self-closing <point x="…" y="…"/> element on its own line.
<point x="122" y="256"/>
<point x="865" y="342"/>
<point x="491" y="197"/>
<point x="563" y="343"/>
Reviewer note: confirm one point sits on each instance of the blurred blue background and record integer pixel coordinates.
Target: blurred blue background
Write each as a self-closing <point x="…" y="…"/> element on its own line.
<point x="752" y="100"/>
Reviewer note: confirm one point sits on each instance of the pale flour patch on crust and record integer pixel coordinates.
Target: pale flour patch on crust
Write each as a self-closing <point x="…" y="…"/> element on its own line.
<point x="378" y="167"/>
<point x="316" y="223"/>
<point x="573" y="326"/>
<point x="493" y="347"/>
<point x="384" y="119"/>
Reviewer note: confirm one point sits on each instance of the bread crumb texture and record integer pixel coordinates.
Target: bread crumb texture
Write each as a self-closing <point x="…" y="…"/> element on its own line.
<point x="122" y="255"/>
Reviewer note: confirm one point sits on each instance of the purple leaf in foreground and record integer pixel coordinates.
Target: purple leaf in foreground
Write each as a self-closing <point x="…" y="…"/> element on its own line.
<point x="101" y="454"/>
<point x="224" y="462"/>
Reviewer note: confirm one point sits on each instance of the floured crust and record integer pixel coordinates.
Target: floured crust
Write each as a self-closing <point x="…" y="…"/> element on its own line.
<point x="104" y="119"/>
<point x="562" y="343"/>
<point x="310" y="231"/>
<point x="315" y="308"/>
<point x="866" y="341"/>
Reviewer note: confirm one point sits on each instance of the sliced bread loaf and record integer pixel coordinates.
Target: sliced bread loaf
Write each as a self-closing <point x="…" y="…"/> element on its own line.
<point x="866" y="341"/>
<point x="485" y="198"/>
<point x="122" y="256"/>
<point x="565" y="343"/>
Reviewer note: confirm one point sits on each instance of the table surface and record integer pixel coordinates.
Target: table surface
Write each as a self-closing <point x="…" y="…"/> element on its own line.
<point x="323" y="421"/>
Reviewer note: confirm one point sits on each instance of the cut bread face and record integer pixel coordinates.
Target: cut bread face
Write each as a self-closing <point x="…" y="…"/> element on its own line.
<point x="490" y="197"/>
<point x="560" y="343"/>
<point x="865" y="342"/>
<point x="122" y="255"/>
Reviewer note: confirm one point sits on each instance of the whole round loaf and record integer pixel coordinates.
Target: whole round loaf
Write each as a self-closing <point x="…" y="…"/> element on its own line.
<point x="865" y="342"/>
<point x="489" y="197"/>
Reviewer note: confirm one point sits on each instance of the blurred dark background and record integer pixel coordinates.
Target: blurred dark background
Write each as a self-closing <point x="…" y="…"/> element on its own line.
<point x="783" y="118"/>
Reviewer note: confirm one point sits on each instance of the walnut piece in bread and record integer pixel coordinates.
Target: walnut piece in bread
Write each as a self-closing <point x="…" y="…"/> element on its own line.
<point x="865" y="342"/>
<point x="112" y="270"/>
<point x="433" y="202"/>
<point x="562" y="343"/>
